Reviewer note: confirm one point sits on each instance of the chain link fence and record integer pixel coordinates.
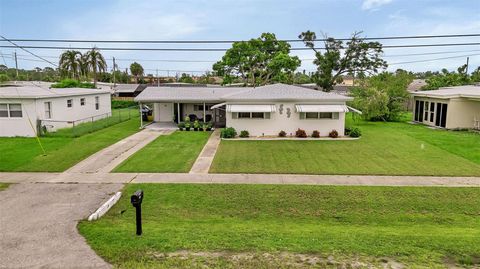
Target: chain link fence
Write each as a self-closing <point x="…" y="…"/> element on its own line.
<point x="57" y="128"/>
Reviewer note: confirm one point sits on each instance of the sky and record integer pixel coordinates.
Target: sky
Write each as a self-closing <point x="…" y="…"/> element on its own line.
<point x="239" y="20"/>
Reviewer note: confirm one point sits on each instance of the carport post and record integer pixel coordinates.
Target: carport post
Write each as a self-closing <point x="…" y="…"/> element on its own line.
<point x="179" y="117"/>
<point x="203" y="112"/>
<point x="141" y="115"/>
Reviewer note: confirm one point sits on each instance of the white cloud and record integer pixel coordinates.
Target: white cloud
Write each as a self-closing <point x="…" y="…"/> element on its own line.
<point x="374" y="4"/>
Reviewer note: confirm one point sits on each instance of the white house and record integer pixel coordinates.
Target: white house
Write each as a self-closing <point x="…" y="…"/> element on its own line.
<point x="448" y="107"/>
<point x="264" y="110"/>
<point x="24" y="108"/>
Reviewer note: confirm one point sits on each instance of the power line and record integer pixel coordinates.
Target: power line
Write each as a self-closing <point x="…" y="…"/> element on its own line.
<point x="435" y="59"/>
<point x="22" y="48"/>
<point x="225" y="49"/>
<point x="231" y="41"/>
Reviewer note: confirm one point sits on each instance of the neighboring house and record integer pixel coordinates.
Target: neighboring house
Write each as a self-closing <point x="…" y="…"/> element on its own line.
<point x="415" y="86"/>
<point x="25" y="109"/>
<point x="449" y="107"/>
<point x="128" y="90"/>
<point x="264" y="110"/>
<point x="338" y="89"/>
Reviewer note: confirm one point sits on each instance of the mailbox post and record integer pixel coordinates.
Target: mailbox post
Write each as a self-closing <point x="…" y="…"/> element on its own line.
<point x="136" y="200"/>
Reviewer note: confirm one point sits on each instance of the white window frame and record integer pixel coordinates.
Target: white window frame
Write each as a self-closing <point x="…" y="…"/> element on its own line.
<point x="69" y="103"/>
<point x="333" y="115"/>
<point x="48" y="110"/>
<point x="9" y="110"/>
<point x="82" y="101"/>
<point x="97" y="102"/>
<point x="5" y="110"/>
<point x="236" y="115"/>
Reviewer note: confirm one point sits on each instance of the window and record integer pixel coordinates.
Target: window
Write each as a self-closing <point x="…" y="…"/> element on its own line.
<point x="15" y="110"/>
<point x="3" y="111"/>
<point x="426" y="111"/>
<point x="48" y="110"/>
<point x="97" y="102"/>
<point x="82" y="101"/>
<point x="200" y="107"/>
<point x="251" y="115"/>
<point x="69" y="103"/>
<point x="432" y="111"/>
<point x="319" y="115"/>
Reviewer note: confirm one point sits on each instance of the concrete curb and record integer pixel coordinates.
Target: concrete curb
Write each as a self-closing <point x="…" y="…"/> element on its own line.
<point x="105" y="207"/>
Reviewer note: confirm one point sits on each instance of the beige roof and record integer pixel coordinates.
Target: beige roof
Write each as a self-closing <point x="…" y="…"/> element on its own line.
<point x="467" y="91"/>
<point x="126" y="88"/>
<point x="416" y="85"/>
<point x="36" y="92"/>
<point x="274" y="92"/>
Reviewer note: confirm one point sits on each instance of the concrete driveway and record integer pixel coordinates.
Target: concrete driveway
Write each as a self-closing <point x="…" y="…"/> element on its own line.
<point x="38" y="224"/>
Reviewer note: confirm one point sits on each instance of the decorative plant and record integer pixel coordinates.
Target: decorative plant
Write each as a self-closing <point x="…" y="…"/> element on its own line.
<point x="316" y="134"/>
<point x="228" y="133"/>
<point x="196" y="125"/>
<point x="181" y="126"/>
<point x="244" y="133"/>
<point x="209" y="126"/>
<point x="300" y="133"/>
<point x="347" y="130"/>
<point x="187" y="126"/>
<point x="204" y="126"/>
<point x="355" y="132"/>
<point x="333" y="134"/>
<point x="187" y="119"/>
<point x="282" y="134"/>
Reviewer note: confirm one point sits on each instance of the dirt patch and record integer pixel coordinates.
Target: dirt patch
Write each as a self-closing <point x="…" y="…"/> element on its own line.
<point x="252" y="260"/>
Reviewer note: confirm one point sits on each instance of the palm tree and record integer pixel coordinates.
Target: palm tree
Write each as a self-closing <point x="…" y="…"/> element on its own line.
<point x="95" y="62"/>
<point x="70" y="62"/>
<point x="137" y="70"/>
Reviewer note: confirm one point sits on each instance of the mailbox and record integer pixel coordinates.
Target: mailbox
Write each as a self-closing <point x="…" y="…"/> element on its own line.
<point x="136" y="199"/>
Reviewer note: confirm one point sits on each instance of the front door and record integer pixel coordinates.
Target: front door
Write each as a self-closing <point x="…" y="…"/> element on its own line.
<point x="220" y="118"/>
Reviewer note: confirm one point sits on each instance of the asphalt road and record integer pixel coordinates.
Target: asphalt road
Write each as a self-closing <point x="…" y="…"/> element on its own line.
<point x="38" y="224"/>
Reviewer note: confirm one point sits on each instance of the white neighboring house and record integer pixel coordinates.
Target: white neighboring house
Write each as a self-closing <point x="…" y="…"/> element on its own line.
<point x="448" y="107"/>
<point x="22" y="108"/>
<point x="262" y="111"/>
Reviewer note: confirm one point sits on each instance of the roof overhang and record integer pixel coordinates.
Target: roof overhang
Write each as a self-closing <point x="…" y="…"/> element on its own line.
<point x="251" y="108"/>
<point x="321" y="108"/>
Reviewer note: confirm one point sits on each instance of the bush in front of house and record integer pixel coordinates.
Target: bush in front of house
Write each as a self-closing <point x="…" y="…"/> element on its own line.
<point x="347" y="130"/>
<point x="228" y="133"/>
<point x="355" y="132"/>
<point x="244" y="133"/>
<point x="301" y="133"/>
<point x="333" y="134"/>
<point x="187" y="126"/>
<point x="316" y="134"/>
<point x="181" y="126"/>
<point x="73" y="83"/>
<point x="282" y="134"/>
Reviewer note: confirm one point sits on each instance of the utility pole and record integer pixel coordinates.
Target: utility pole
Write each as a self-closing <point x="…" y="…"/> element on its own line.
<point x="16" y="63"/>
<point x="466" y="70"/>
<point x="158" y="79"/>
<point x="114" y="72"/>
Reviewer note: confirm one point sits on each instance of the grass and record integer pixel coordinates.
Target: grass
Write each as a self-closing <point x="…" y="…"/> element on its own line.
<point x="3" y="186"/>
<point x="171" y="153"/>
<point x="427" y="226"/>
<point x="394" y="148"/>
<point x="24" y="154"/>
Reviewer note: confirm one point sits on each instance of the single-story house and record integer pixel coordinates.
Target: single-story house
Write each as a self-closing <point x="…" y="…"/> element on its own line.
<point x="25" y="109"/>
<point x="264" y="110"/>
<point x="449" y="107"/>
<point x="128" y="90"/>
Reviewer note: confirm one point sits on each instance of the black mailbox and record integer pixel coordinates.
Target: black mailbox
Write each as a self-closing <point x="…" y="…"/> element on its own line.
<point x="136" y="200"/>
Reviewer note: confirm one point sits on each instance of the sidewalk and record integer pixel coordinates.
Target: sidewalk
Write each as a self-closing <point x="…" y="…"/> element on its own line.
<point x="205" y="158"/>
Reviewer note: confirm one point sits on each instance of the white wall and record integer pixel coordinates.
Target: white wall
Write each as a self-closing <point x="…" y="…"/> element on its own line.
<point x="281" y="122"/>
<point x="35" y="110"/>
<point x="163" y="112"/>
<point x="462" y="112"/>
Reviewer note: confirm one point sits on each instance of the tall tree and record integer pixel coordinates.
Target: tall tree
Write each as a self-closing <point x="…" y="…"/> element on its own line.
<point x="137" y="70"/>
<point x="70" y="62"/>
<point x="446" y="79"/>
<point x="95" y="63"/>
<point x="260" y="61"/>
<point x="358" y="56"/>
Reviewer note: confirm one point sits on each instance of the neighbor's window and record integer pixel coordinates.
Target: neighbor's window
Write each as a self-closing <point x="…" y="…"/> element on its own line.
<point x="48" y="110"/>
<point x="3" y="111"/>
<point x="97" y="102"/>
<point x="69" y="102"/>
<point x="82" y="101"/>
<point x="319" y="115"/>
<point x="311" y="115"/>
<point x="15" y="110"/>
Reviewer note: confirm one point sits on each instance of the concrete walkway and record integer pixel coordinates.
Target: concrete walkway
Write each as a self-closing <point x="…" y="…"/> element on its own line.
<point x="240" y="179"/>
<point x="39" y="225"/>
<point x="108" y="158"/>
<point x="205" y="158"/>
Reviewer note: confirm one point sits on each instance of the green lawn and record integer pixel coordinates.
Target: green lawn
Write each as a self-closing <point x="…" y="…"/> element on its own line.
<point x="24" y="154"/>
<point x="396" y="148"/>
<point x="171" y="153"/>
<point x="427" y="226"/>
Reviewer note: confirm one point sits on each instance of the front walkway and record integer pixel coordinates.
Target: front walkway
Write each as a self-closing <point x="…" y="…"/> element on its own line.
<point x="205" y="158"/>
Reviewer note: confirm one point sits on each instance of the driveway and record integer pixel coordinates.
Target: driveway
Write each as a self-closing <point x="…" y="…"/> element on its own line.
<point x="38" y="224"/>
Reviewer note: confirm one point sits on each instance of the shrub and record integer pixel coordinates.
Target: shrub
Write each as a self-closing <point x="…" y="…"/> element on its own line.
<point x="333" y="134"/>
<point x="73" y="83"/>
<point x="347" y="130"/>
<point x="316" y="134"/>
<point x="355" y="132"/>
<point x="196" y="125"/>
<point x="301" y="133"/>
<point x="123" y="104"/>
<point x="209" y="126"/>
<point x="4" y="78"/>
<point x="181" y="125"/>
<point x="282" y="134"/>
<point x="244" y="133"/>
<point x="228" y="133"/>
<point x="187" y="126"/>
<point x="187" y="119"/>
